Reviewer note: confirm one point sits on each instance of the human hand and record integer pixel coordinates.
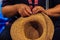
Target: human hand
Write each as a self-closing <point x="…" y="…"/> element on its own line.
<point x="24" y="10"/>
<point x="37" y="9"/>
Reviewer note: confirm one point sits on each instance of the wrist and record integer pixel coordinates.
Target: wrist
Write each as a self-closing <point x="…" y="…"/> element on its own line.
<point x="49" y="12"/>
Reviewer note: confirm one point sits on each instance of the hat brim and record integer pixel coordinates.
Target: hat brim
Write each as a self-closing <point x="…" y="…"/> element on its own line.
<point x="18" y="27"/>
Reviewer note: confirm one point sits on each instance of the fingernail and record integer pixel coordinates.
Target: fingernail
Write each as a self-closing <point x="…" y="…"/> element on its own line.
<point x="31" y="12"/>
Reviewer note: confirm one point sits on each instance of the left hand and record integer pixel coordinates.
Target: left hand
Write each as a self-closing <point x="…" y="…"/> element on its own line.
<point x="37" y="9"/>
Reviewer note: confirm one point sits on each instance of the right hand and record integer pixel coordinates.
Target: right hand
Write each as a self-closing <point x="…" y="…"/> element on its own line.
<point x="23" y="10"/>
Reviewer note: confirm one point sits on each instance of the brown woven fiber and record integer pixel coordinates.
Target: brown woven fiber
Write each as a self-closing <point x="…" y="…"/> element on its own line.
<point x="35" y="27"/>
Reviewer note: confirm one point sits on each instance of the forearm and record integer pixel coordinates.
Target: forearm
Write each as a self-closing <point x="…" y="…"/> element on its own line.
<point x="54" y="11"/>
<point x="9" y="11"/>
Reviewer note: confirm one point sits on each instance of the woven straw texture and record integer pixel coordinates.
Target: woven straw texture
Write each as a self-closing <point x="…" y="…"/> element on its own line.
<point x="35" y="27"/>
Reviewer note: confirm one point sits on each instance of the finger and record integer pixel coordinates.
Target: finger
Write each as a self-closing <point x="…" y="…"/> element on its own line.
<point x="28" y="10"/>
<point x="44" y="11"/>
<point x="39" y="10"/>
<point x="34" y="10"/>
<point x="21" y="13"/>
<point x="26" y="13"/>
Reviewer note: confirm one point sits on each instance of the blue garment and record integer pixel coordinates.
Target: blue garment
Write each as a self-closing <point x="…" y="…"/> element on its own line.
<point x="52" y="3"/>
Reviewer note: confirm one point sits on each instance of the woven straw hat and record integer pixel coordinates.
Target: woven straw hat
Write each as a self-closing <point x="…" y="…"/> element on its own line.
<point x="35" y="27"/>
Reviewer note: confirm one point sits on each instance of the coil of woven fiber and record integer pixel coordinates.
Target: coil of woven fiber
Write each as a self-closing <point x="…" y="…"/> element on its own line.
<point x="35" y="27"/>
